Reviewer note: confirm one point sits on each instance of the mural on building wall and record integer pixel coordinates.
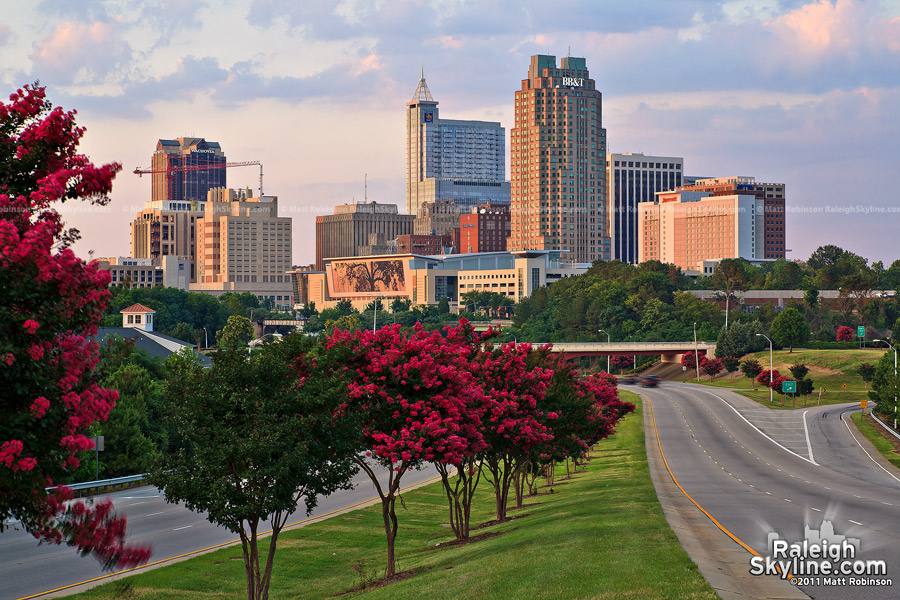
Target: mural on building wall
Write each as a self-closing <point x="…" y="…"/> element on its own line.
<point x="368" y="276"/>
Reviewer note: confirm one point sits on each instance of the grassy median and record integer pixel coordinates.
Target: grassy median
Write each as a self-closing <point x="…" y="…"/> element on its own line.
<point x="883" y="441"/>
<point x="600" y="534"/>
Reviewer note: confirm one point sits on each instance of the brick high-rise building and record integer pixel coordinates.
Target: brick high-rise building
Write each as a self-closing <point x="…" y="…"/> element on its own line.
<point x="192" y="181"/>
<point x="485" y="229"/>
<point x="771" y="194"/>
<point x="449" y="159"/>
<point x="558" y="159"/>
<point x="630" y="180"/>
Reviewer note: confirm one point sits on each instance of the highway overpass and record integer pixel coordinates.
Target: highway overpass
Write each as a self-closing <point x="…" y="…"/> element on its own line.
<point x="669" y="351"/>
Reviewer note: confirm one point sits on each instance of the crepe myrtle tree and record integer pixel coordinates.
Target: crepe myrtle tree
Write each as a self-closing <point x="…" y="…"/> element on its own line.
<point x="260" y="436"/>
<point x="621" y="361"/>
<point x="51" y="302"/>
<point x="844" y="333"/>
<point x="476" y="354"/>
<point x="410" y="397"/>
<point x="751" y="369"/>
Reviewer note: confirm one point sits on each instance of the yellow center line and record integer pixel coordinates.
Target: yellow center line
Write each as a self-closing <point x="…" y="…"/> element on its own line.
<point x="233" y="542"/>
<point x="688" y="496"/>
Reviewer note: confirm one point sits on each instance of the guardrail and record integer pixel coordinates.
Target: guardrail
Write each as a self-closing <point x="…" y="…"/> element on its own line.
<point x="103" y="485"/>
<point x="887" y="428"/>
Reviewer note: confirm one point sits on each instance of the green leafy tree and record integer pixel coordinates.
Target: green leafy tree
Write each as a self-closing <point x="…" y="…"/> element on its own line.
<point x="790" y="328"/>
<point x="444" y="306"/>
<point x="236" y="333"/>
<point x="867" y="372"/>
<point x="731" y="364"/>
<point x="344" y="307"/>
<point x="262" y="437"/>
<point x="400" y="305"/>
<point x="751" y="369"/>
<point x="799" y="371"/>
<point x="185" y="333"/>
<point x="344" y="323"/>
<point x="805" y="387"/>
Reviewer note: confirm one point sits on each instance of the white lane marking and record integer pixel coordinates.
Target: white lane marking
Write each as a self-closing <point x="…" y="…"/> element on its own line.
<point x="786" y="500"/>
<point x="769" y="493"/>
<point x="861" y="446"/>
<point x="156" y="513"/>
<point x="180" y="528"/>
<point x="854" y="522"/>
<point x="134" y="503"/>
<point x="758" y="430"/>
<point x="806" y="433"/>
<point x="815" y="509"/>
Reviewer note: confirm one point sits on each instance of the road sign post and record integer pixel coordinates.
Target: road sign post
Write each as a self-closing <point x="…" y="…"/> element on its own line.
<point x="789" y="387"/>
<point x="861" y="334"/>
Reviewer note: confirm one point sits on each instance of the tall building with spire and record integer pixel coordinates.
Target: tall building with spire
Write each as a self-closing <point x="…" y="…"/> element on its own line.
<point x="558" y="162"/>
<point x="448" y="159"/>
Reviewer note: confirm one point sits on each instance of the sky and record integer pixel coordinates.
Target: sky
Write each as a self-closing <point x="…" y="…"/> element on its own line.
<point x="801" y="92"/>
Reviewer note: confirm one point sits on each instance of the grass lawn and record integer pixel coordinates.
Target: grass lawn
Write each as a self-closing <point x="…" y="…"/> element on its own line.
<point x="829" y="369"/>
<point x="601" y="534"/>
<point x="888" y="445"/>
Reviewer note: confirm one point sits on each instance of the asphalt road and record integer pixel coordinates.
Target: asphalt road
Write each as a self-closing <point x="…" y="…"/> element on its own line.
<point x="32" y="570"/>
<point x="758" y="472"/>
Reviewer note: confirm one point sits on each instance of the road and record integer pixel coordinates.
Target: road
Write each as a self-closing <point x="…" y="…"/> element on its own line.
<point x="758" y="471"/>
<point x="171" y="529"/>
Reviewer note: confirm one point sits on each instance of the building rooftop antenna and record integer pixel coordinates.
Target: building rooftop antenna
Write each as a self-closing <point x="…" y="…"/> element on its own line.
<point x="366" y="187"/>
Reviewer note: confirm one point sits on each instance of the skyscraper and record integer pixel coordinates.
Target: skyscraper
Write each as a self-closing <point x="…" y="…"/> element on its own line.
<point x="342" y="234"/>
<point x="180" y="169"/>
<point x="630" y="180"/>
<point x="558" y="162"/>
<point x="447" y="159"/>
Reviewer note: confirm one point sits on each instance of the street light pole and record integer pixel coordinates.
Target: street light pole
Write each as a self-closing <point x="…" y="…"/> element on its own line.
<point x="607" y="341"/>
<point x="889" y="345"/>
<point x="206" y="337"/>
<point x="771" y="368"/>
<point x="696" y="353"/>
<point x="375" y="317"/>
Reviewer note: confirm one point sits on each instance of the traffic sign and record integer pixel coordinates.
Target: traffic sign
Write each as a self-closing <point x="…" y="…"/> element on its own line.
<point x="863" y="404"/>
<point x="861" y="331"/>
<point x="789" y="387"/>
<point x="843" y="386"/>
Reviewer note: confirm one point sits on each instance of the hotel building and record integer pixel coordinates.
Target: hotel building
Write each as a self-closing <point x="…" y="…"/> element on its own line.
<point x="771" y="195"/>
<point x="558" y="162"/>
<point x="693" y="230"/>
<point x="447" y="159"/>
<point x="630" y="180"/>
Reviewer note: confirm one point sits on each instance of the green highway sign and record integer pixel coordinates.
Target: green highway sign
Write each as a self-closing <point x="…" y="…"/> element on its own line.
<point x="789" y="387"/>
<point x="861" y="331"/>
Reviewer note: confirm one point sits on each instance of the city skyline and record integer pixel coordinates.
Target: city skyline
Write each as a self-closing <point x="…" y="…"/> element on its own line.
<point x="795" y="92"/>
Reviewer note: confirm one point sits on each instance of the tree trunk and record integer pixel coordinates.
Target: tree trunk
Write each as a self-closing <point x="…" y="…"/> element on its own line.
<point x="568" y="474"/>
<point x="460" y="494"/>
<point x="501" y="471"/>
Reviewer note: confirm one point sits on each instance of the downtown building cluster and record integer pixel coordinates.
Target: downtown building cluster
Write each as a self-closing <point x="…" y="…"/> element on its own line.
<point x="567" y="203"/>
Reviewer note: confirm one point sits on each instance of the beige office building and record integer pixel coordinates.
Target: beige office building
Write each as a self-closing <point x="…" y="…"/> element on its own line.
<point x="692" y="230"/>
<point x="167" y="228"/>
<point x="355" y="228"/>
<point x="243" y="246"/>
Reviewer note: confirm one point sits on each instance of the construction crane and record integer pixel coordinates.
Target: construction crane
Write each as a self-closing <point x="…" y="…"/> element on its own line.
<point x="247" y="163"/>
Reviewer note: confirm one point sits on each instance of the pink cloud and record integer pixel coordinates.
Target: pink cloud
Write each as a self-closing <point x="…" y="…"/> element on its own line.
<point x="80" y="52"/>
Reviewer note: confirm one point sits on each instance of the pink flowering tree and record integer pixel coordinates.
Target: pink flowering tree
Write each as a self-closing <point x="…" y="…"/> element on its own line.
<point x="621" y="361"/>
<point x="763" y="379"/>
<point x="711" y="366"/>
<point x="51" y="301"/>
<point x="513" y="425"/>
<point x="411" y="397"/>
<point x="688" y="360"/>
<point x="467" y="353"/>
<point x="844" y="333"/>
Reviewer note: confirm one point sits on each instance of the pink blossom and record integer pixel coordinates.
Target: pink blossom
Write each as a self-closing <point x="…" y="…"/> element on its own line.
<point x="39" y="407"/>
<point x="31" y="326"/>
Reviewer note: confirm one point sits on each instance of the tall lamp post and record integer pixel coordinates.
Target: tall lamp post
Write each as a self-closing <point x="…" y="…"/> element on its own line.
<point x="608" y="339"/>
<point x="770" y="366"/>
<point x="696" y="353"/>
<point x="206" y="337"/>
<point x="895" y="377"/>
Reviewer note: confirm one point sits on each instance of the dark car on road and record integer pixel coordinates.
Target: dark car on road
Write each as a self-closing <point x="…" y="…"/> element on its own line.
<point x="650" y="381"/>
<point x="628" y="380"/>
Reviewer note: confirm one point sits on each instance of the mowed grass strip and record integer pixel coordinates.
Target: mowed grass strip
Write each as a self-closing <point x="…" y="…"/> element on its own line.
<point x="600" y="534"/>
<point x="883" y="441"/>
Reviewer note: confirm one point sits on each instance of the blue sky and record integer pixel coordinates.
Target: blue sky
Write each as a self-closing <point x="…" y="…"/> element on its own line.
<point x="800" y="92"/>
